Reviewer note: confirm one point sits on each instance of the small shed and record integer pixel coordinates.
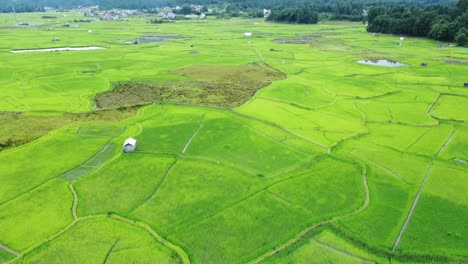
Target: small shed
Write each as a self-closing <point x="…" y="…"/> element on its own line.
<point x="129" y="145"/>
<point x="247" y="34"/>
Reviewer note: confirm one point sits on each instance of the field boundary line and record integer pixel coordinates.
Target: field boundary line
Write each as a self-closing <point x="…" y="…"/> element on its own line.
<point x="221" y="163"/>
<point x="417" y="140"/>
<point x="431" y="106"/>
<point x="10" y="251"/>
<point x="396" y="175"/>
<point x="341" y="251"/>
<point x="182" y="254"/>
<point x="111" y="250"/>
<point x="301" y="166"/>
<point x="168" y="171"/>
<point x="194" y="134"/>
<point x="413" y="206"/>
<point x="309" y="229"/>
<point x="283" y="128"/>
<point x="236" y="202"/>
<point x="251" y="127"/>
<point x="446" y="143"/>
<point x="75" y="201"/>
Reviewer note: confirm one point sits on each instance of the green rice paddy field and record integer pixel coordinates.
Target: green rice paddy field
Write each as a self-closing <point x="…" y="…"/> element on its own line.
<point x="325" y="161"/>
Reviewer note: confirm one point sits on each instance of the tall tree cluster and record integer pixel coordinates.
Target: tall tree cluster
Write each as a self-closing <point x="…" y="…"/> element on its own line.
<point x="298" y="15"/>
<point x="437" y="22"/>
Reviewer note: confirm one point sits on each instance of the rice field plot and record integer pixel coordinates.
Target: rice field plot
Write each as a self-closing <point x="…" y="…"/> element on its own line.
<point x="456" y="149"/>
<point x="325" y="247"/>
<point x="451" y="107"/>
<point x="439" y="220"/>
<point x="379" y="224"/>
<point x="170" y="130"/>
<point x="226" y="140"/>
<point x="194" y="190"/>
<point x="26" y="220"/>
<point x="243" y="231"/>
<point x="312" y="125"/>
<point x="122" y="184"/>
<point x="27" y="167"/>
<point x="102" y="240"/>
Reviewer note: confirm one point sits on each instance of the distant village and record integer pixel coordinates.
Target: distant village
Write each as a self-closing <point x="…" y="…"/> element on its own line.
<point x="165" y="13"/>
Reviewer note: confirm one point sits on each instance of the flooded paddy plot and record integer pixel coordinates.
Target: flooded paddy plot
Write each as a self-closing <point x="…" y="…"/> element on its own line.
<point x="303" y="40"/>
<point x="58" y="49"/>
<point x="382" y="63"/>
<point x="152" y="39"/>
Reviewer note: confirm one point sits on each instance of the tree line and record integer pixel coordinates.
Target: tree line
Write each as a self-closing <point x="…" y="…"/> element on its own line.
<point x="298" y="15"/>
<point x="437" y="22"/>
<point x="348" y="9"/>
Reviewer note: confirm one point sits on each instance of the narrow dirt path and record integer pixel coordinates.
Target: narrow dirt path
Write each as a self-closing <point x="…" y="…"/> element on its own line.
<point x="9" y="250"/>
<point x="413" y="206"/>
<point x="342" y="252"/>
<point x="446" y="143"/>
<point x="182" y="254"/>
<point x="306" y="231"/>
<point x="75" y="201"/>
<point x="193" y="135"/>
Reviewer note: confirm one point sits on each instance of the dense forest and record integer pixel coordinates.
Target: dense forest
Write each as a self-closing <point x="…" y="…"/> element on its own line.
<point x="298" y="15"/>
<point x="437" y="22"/>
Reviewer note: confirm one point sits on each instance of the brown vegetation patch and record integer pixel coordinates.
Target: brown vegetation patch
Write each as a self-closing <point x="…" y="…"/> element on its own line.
<point x="210" y="85"/>
<point x="19" y="128"/>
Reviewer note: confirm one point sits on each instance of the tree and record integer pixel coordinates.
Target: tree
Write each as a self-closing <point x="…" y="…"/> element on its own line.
<point x="462" y="5"/>
<point x="374" y="12"/>
<point x="186" y="10"/>
<point x="461" y="37"/>
<point x="441" y="31"/>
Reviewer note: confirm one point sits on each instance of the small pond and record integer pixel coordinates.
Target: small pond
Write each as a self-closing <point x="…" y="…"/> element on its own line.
<point x="383" y="63"/>
<point x="57" y="49"/>
<point x="152" y="39"/>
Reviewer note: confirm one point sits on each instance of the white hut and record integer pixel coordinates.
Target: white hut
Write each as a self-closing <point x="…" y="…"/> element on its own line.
<point x="247" y="34"/>
<point x="129" y="145"/>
